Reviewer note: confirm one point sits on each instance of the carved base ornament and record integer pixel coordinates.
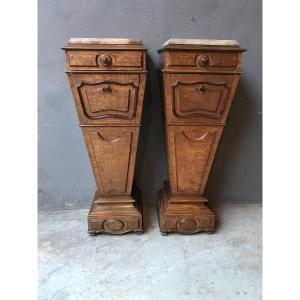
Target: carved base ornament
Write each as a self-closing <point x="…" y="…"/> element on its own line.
<point x="200" y="78"/>
<point x="107" y="78"/>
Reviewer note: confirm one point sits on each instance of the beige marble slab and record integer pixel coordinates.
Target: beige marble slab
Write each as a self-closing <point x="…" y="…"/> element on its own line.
<point x="201" y="42"/>
<point x="105" y="41"/>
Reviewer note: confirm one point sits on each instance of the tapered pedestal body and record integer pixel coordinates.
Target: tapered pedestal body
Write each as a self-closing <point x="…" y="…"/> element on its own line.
<point x="107" y="78"/>
<point x="199" y="82"/>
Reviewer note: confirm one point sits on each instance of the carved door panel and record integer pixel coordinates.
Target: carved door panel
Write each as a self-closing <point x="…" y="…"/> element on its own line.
<point x="191" y="150"/>
<point x="112" y="151"/>
<point x="108" y="99"/>
<point x="198" y="98"/>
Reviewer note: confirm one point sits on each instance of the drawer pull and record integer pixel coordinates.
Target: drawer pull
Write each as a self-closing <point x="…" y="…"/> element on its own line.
<point x="107" y="89"/>
<point x="204" y="60"/>
<point x="105" y="60"/>
<point x="201" y="89"/>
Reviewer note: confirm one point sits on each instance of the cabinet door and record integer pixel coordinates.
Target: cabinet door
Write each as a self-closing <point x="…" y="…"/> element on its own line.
<point x="191" y="150"/>
<point x="108" y="98"/>
<point x="112" y="152"/>
<point x="198" y="98"/>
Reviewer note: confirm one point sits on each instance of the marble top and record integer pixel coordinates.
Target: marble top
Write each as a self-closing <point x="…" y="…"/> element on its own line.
<point x="201" y="42"/>
<point x="105" y="41"/>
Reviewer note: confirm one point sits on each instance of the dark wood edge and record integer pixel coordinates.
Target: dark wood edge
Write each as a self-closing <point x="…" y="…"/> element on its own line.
<point x="195" y="124"/>
<point x="107" y="72"/>
<point x="177" y="71"/>
<point x="110" y="125"/>
<point x="226" y="84"/>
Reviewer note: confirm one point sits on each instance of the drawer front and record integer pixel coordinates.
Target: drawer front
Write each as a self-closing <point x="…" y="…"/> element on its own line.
<point x="191" y="150"/>
<point x="112" y="152"/>
<point x="108" y="98"/>
<point x="198" y="97"/>
<point x="201" y="60"/>
<point x="105" y="60"/>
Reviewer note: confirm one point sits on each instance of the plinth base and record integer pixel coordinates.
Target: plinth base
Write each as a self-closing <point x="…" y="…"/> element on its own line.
<point x="116" y="214"/>
<point x="184" y="216"/>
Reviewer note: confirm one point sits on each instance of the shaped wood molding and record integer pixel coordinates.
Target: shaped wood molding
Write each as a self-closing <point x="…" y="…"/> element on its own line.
<point x="108" y="99"/>
<point x="199" y="99"/>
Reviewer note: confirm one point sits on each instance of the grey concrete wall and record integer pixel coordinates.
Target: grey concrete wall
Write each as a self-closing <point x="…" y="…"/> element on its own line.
<point x="65" y="175"/>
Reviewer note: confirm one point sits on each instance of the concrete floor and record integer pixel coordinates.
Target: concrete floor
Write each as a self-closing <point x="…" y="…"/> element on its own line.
<point x="220" y="266"/>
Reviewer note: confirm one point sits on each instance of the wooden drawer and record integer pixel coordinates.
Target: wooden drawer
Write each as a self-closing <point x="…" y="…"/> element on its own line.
<point x="198" y="97"/>
<point x="202" y="60"/>
<point x="108" y="98"/>
<point x="191" y="150"/>
<point x="105" y="60"/>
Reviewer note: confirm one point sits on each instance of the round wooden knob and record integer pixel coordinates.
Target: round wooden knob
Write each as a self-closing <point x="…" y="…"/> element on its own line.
<point x="107" y="89"/>
<point x="201" y="89"/>
<point x="105" y="60"/>
<point x="204" y="60"/>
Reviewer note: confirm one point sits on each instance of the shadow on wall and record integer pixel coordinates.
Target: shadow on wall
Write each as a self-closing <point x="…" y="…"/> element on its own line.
<point x="228" y="161"/>
<point x="151" y="160"/>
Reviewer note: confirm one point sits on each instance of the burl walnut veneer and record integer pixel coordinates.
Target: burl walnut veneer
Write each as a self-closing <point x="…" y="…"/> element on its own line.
<point x="199" y="82"/>
<point x="107" y="78"/>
